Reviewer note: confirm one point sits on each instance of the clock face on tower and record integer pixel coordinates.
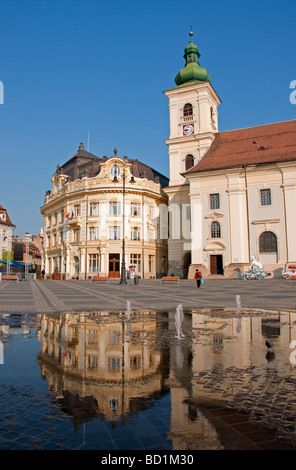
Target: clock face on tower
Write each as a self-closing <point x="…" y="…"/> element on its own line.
<point x="188" y="129"/>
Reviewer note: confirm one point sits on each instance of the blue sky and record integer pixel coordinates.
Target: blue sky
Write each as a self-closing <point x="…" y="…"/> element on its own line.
<point x="73" y="67"/>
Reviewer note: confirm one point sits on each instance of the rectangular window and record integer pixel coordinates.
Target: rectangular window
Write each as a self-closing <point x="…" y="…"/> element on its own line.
<point x="94" y="208"/>
<point x="151" y="263"/>
<point x="135" y="362"/>
<point x="135" y="208"/>
<point x="77" y="210"/>
<point x="215" y="201"/>
<point x="135" y="260"/>
<point x="151" y="234"/>
<point x="151" y="212"/>
<point x="76" y="236"/>
<point x="92" y="362"/>
<point x="114" y="233"/>
<point x="114" y="363"/>
<point x="114" y="337"/>
<point x="114" y="208"/>
<point x="93" y="233"/>
<point x="136" y="233"/>
<point x="265" y="197"/>
<point x="93" y="263"/>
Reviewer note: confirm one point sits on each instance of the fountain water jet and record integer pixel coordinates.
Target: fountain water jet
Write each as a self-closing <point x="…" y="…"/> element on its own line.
<point x="238" y="305"/>
<point x="238" y="312"/>
<point x="128" y="309"/>
<point x="179" y="316"/>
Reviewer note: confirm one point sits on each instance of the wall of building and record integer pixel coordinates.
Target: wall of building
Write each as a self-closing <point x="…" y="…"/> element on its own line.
<point x="243" y="218"/>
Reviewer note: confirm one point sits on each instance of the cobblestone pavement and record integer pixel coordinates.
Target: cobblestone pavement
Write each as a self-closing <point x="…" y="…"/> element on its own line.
<point x="256" y="416"/>
<point x="61" y="296"/>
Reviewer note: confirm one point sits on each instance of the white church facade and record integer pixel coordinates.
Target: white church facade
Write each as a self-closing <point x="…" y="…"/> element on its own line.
<point x="232" y="195"/>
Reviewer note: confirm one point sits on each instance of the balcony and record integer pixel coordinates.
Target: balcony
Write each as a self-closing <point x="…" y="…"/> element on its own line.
<point x="185" y="119"/>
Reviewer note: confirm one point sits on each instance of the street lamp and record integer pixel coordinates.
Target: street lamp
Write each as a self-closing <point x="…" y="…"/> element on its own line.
<point x="28" y="239"/>
<point x="123" y="266"/>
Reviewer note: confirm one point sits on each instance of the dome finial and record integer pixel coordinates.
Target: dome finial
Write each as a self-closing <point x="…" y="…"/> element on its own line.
<point x="191" y="32"/>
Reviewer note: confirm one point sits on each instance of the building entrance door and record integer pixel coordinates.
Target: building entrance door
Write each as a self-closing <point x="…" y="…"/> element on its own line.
<point x="114" y="265"/>
<point x="216" y="264"/>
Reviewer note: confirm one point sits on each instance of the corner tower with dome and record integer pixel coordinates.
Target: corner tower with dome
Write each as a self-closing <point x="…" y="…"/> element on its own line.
<point x="193" y="115"/>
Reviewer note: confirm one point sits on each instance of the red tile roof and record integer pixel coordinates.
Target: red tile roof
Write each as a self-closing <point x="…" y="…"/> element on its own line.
<point x="7" y="220"/>
<point x="251" y="146"/>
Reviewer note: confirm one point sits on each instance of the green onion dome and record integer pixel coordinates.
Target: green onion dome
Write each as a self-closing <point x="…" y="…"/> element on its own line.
<point x="192" y="72"/>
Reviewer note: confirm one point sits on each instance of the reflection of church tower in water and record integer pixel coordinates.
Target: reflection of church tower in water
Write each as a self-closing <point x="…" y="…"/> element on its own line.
<point x="193" y="118"/>
<point x="102" y="365"/>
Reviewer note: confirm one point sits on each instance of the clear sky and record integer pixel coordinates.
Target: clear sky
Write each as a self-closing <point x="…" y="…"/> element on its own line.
<point x="73" y="67"/>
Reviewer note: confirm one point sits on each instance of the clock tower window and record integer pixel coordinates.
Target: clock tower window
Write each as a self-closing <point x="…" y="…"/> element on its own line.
<point x="187" y="110"/>
<point x="189" y="162"/>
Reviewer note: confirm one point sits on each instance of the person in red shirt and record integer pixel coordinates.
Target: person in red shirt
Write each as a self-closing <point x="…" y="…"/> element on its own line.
<point x="198" y="277"/>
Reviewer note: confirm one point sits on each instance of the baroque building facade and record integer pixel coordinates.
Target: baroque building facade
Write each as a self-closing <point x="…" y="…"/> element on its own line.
<point x="232" y="195"/>
<point x="96" y="204"/>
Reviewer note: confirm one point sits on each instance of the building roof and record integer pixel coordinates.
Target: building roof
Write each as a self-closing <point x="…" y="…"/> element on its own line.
<point x="84" y="163"/>
<point x="192" y="72"/>
<point x="4" y="217"/>
<point x="80" y="164"/>
<point x="271" y="143"/>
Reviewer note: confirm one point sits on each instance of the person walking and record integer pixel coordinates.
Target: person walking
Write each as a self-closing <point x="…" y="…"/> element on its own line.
<point x="198" y="277"/>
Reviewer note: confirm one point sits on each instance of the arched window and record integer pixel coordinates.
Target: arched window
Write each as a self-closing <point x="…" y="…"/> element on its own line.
<point x="189" y="161"/>
<point x="215" y="230"/>
<point x="187" y="110"/>
<point x="267" y="243"/>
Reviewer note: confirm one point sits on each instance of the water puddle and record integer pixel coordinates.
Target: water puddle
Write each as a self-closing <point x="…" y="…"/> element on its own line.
<point x="198" y="379"/>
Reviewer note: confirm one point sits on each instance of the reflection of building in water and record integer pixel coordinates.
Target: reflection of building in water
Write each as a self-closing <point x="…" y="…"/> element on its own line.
<point x="103" y="359"/>
<point x="239" y="340"/>
<point x="17" y="324"/>
<point x="189" y="429"/>
<point x="229" y="363"/>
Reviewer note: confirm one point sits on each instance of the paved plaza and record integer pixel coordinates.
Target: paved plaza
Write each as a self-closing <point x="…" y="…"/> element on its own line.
<point x="63" y="296"/>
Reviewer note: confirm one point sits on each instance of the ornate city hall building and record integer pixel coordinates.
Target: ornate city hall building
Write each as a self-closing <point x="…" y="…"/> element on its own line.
<point x="94" y="206"/>
<point x="232" y="195"/>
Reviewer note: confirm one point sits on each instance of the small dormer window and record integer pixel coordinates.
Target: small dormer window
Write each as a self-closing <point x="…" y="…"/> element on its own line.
<point x="115" y="171"/>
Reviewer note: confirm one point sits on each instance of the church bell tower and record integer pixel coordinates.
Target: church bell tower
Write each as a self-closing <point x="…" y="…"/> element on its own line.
<point x="193" y="112"/>
<point x="193" y="116"/>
